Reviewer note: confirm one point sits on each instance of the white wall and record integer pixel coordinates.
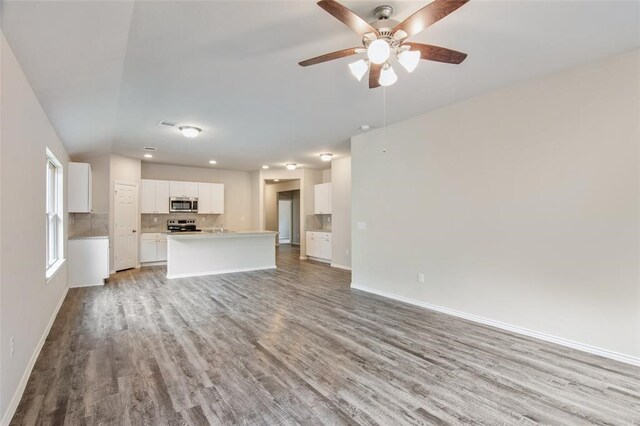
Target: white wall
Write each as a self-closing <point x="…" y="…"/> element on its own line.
<point x="237" y="189"/>
<point x="326" y="176"/>
<point x="28" y="302"/>
<point x="341" y="212"/>
<point x="520" y="206"/>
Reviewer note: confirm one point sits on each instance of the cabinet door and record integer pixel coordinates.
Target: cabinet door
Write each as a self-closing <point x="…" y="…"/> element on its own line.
<point x="191" y="189"/>
<point x="217" y="206"/>
<point x="326" y="247"/>
<point x="148" y="251"/>
<point x="318" y="199"/>
<point x="148" y="196"/>
<point x="162" y="196"/>
<point x="327" y="198"/>
<point x="205" y="198"/>
<point x="310" y="243"/>
<point x="79" y="184"/>
<point x="161" y="249"/>
<point x="176" y="189"/>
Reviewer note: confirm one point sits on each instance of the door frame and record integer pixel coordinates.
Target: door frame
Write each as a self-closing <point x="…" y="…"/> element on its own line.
<point x="137" y="222"/>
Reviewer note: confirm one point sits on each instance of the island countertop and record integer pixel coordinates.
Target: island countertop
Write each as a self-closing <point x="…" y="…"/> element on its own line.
<point x="214" y="234"/>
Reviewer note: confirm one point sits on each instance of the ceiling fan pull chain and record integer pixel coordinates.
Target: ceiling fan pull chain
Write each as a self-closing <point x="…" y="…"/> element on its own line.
<point x="384" y="119"/>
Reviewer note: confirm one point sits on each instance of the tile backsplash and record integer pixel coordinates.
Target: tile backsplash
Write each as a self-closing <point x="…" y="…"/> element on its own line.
<point x="88" y="224"/>
<point x="318" y="222"/>
<point x="158" y="222"/>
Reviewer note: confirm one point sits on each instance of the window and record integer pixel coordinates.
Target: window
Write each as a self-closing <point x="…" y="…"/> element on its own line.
<point x="55" y="255"/>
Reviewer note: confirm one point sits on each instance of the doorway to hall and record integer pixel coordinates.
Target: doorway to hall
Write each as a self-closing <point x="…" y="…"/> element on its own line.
<point x="289" y="217"/>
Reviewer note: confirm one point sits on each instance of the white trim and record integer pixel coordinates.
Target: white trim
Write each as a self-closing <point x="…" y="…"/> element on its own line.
<point x="88" y="285"/>
<point x="219" y="271"/>
<point x="17" y="395"/>
<point x="628" y="359"/>
<point x="336" y="265"/>
<point x="318" y="259"/>
<point x="51" y="271"/>
<point x="155" y="263"/>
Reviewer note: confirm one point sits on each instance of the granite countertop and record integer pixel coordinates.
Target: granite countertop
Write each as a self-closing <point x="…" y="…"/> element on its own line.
<point x="212" y="234"/>
<point x="95" y="237"/>
<point x="319" y="230"/>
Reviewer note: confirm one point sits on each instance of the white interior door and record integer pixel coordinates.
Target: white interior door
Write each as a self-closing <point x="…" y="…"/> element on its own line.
<point x="125" y="214"/>
<point x="284" y="221"/>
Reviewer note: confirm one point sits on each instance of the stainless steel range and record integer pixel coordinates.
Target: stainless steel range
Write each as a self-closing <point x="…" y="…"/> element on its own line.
<point x="182" y="225"/>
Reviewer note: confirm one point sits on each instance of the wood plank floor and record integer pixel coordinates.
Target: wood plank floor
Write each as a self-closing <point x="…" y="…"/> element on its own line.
<point x="297" y="346"/>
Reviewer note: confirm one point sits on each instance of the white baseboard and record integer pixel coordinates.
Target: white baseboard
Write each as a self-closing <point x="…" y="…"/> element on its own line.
<point x="159" y="263"/>
<point x="336" y="265"/>
<point x="17" y="395"/>
<point x="628" y="359"/>
<point x="318" y="259"/>
<point x="218" y="272"/>
<point x="87" y="285"/>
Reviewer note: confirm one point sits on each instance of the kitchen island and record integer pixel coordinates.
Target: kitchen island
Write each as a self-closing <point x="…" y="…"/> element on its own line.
<point x="192" y="254"/>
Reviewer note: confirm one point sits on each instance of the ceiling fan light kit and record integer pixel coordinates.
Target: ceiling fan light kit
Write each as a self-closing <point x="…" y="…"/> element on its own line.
<point x="385" y="38"/>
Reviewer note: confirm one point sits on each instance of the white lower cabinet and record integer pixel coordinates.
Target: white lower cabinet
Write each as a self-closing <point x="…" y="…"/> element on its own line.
<point x="319" y="245"/>
<point x="88" y="261"/>
<point x="153" y="247"/>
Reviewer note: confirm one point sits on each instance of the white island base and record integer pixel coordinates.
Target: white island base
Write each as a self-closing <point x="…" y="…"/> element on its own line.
<point x="210" y="253"/>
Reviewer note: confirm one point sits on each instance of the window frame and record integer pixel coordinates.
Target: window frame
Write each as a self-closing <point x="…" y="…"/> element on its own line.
<point x="54" y="215"/>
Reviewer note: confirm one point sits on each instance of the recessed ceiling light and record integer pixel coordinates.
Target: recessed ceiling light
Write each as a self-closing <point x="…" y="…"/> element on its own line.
<point x="291" y="166"/>
<point x="148" y="156"/>
<point x="265" y="167"/>
<point x="326" y="156"/>
<point x="276" y="180"/>
<point x="213" y="162"/>
<point x="365" y="127"/>
<point x="189" y="131"/>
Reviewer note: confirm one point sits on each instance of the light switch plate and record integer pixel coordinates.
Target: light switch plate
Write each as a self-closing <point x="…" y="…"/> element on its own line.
<point x="361" y="225"/>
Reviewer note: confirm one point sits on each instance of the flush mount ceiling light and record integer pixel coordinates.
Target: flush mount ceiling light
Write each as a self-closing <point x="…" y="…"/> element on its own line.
<point x="189" y="131"/>
<point x="276" y="180"/>
<point x="291" y="166"/>
<point x="148" y="156"/>
<point x="326" y="156"/>
<point x="365" y="127"/>
<point x="213" y="162"/>
<point x="265" y="167"/>
<point x="385" y="39"/>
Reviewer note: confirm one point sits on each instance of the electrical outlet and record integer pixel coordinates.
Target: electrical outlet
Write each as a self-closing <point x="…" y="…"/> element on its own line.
<point x="12" y="347"/>
<point x="421" y="277"/>
<point x="155" y="220"/>
<point x="347" y="252"/>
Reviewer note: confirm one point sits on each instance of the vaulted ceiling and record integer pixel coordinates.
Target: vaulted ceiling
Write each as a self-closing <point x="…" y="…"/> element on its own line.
<point x="107" y="72"/>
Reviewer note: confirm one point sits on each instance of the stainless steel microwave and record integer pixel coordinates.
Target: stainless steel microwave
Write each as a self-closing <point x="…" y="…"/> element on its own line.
<point x="183" y="205"/>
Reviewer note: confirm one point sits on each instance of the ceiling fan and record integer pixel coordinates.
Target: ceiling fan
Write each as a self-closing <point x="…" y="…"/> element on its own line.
<point x="385" y="37"/>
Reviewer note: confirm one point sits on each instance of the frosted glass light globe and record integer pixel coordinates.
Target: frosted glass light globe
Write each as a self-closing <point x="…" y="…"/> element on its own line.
<point x="378" y="51"/>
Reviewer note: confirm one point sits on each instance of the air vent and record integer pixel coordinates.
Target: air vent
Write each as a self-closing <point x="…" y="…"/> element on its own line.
<point x="150" y="148"/>
<point x="166" y="123"/>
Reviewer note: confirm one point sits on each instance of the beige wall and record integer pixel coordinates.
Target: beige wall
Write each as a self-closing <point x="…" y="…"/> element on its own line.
<point x="326" y="176"/>
<point x="341" y="212"/>
<point x="520" y="206"/>
<point x="237" y="189"/>
<point x="271" y="202"/>
<point x="28" y="302"/>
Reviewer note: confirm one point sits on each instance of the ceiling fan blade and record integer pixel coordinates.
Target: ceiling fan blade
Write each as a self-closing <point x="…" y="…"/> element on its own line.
<point x="436" y="53"/>
<point x="374" y="75"/>
<point x="331" y="56"/>
<point x="347" y="17"/>
<point x="428" y="15"/>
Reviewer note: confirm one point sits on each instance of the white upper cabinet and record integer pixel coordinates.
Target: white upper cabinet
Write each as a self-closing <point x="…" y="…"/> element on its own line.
<point x="79" y="182"/>
<point x="154" y="196"/>
<point x="183" y="189"/>
<point x="210" y="198"/>
<point x="322" y="199"/>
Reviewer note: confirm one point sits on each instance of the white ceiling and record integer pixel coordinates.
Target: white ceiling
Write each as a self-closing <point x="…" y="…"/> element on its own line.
<point x="107" y="72"/>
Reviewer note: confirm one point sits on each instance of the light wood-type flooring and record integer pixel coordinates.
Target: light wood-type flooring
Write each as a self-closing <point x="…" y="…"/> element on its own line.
<point x="297" y="346"/>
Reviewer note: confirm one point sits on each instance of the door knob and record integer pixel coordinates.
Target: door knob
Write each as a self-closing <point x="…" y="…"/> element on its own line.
<point x="134" y="230"/>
